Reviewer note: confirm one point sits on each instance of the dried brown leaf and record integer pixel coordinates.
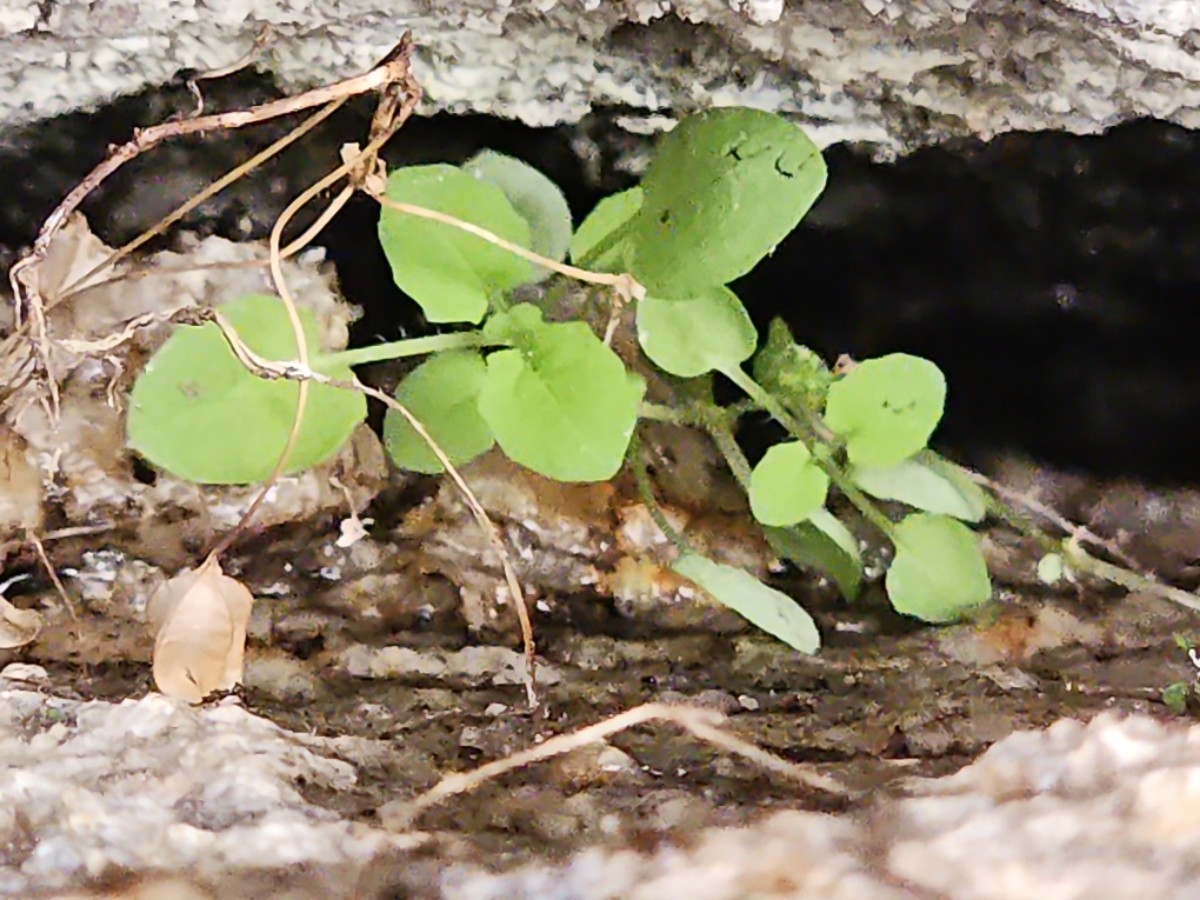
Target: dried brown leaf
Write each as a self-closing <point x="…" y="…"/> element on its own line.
<point x="18" y="627"/>
<point x="199" y="619"/>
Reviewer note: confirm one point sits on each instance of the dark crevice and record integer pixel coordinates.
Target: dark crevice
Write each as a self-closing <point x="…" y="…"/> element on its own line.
<point x="1051" y="276"/>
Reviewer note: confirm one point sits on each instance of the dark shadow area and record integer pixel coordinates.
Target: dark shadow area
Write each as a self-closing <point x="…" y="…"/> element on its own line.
<point x="1052" y="277"/>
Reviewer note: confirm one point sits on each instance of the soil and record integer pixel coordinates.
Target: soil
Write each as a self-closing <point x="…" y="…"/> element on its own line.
<point x="884" y="700"/>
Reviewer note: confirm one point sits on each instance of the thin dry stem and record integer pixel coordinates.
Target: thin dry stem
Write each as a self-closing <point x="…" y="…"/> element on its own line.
<point x="401" y="110"/>
<point x="23" y="276"/>
<point x="213" y="189"/>
<point x="701" y="723"/>
<point x="624" y="283"/>
<point x="264" y="368"/>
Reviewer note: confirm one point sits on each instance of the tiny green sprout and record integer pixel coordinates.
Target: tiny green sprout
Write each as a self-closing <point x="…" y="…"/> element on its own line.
<point x="1175" y="697"/>
<point x="1051" y="568"/>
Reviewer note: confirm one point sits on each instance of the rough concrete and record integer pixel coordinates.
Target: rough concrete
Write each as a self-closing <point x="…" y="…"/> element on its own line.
<point x="894" y="73"/>
<point x="237" y="805"/>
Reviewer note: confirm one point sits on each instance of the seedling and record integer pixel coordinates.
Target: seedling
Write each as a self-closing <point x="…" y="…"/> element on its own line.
<point x="724" y="188"/>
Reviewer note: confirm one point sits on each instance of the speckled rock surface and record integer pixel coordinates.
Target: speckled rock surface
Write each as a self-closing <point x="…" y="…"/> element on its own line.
<point x="237" y="805"/>
<point x="897" y="73"/>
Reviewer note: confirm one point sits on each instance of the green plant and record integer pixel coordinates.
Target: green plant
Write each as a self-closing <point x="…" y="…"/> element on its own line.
<point x="725" y="187"/>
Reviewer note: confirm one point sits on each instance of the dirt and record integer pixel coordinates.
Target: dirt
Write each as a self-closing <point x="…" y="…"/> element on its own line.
<point x="884" y="700"/>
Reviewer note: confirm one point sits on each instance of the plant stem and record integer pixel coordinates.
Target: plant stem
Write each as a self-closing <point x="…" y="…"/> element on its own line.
<point x="359" y="356"/>
<point x="809" y="435"/>
<point x="646" y="492"/>
<point x="1082" y="561"/>
<point x="727" y="444"/>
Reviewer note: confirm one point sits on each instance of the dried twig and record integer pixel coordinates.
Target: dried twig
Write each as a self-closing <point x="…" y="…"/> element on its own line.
<point x="295" y="371"/>
<point x="23" y="276"/>
<point x="401" y="815"/>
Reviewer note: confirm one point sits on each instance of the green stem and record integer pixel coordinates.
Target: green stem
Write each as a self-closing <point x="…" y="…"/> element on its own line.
<point x="606" y="243"/>
<point x="1082" y="561"/>
<point x="810" y="435"/>
<point x="646" y="492"/>
<point x="734" y="457"/>
<point x="359" y="356"/>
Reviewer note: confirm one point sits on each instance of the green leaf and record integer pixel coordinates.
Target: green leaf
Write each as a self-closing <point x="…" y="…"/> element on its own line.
<point x="773" y="611"/>
<point x="560" y="402"/>
<point x="724" y="188"/>
<point x="453" y="275"/>
<point x="825" y="544"/>
<point x="705" y="333"/>
<point x="443" y="394"/>
<point x="1175" y="697"/>
<point x="790" y="371"/>
<point x="928" y="482"/>
<point x="886" y="408"/>
<point x="536" y="199"/>
<point x="787" y="486"/>
<point x="1051" y="568"/>
<point x="198" y="413"/>
<point x="939" y="572"/>
<point x="605" y="225"/>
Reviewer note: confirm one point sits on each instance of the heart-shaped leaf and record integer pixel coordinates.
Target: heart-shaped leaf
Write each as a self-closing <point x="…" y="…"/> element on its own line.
<point x="724" y="188"/>
<point x="560" y="402"/>
<point x="452" y="274"/>
<point x="443" y="395"/>
<point x="708" y="332"/>
<point x="197" y="412"/>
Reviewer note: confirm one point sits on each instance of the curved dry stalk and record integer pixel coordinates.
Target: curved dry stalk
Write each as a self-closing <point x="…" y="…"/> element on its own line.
<point x="624" y="283"/>
<point x="401" y="815"/>
<point x="195" y="200"/>
<point x="23" y="276"/>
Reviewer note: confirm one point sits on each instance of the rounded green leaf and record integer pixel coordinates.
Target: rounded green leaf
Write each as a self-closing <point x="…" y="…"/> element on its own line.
<point x="787" y="486"/>
<point x="705" y="333"/>
<point x="773" y="611"/>
<point x="536" y="199"/>
<point x="724" y="188"/>
<point x="560" y="402"/>
<point x="443" y="394"/>
<point x="601" y="227"/>
<point x="886" y="408"/>
<point x="1051" y="568"/>
<point x="927" y="482"/>
<point x="453" y="275"/>
<point x="939" y="571"/>
<point x="197" y="412"/>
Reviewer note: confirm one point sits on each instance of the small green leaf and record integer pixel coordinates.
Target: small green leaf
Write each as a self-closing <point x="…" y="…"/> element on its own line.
<point x="443" y="394"/>
<point x="825" y="544"/>
<point x="601" y="226"/>
<point x="1182" y="641"/>
<point x="724" y="188"/>
<point x="790" y="371"/>
<point x="705" y="333"/>
<point x="198" y="413"/>
<point x="773" y="611"/>
<point x="787" y="486"/>
<point x="927" y="482"/>
<point x="1051" y="568"/>
<point x="453" y="275"/>
<point x="939" y="572"/>
<point x="1175" y="697"/>
<point x="560" y="402"/>
<point x="536" y="199"/>
<point x="886" y="408"/>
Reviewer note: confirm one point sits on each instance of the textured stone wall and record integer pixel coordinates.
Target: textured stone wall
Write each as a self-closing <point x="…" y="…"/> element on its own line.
<point x="896" y="73"/>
